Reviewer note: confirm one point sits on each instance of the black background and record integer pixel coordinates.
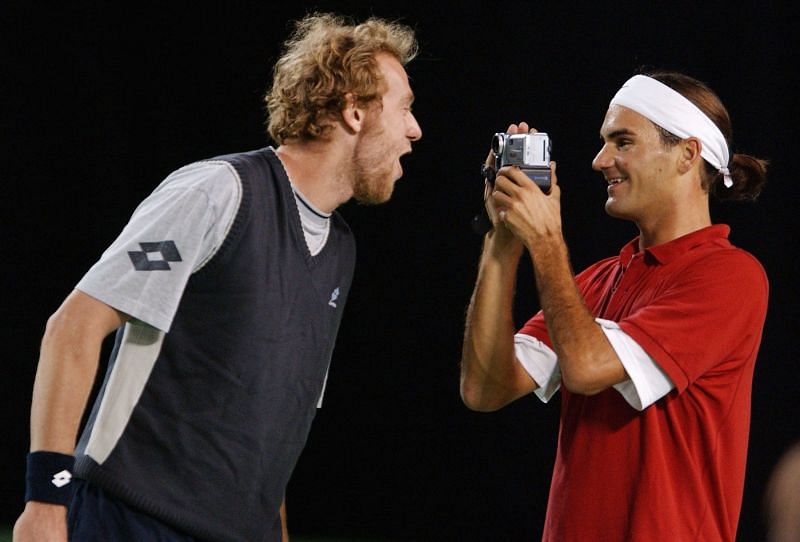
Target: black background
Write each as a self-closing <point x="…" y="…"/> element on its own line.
<point x="100" y="103"/>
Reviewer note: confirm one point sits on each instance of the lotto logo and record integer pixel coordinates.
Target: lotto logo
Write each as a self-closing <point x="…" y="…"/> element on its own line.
<point x="155" y="256"/>
<point x="60" y="479"/>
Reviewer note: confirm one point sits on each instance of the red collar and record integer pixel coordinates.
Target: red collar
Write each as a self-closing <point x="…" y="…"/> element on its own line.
<point x="669" y="251"/>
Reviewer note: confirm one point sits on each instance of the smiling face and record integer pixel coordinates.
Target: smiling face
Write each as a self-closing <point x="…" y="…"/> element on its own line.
<point x="639" y="168"/>
<point x="389" y="129"/>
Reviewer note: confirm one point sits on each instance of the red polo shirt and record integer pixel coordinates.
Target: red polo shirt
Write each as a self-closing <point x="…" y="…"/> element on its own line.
<point x="674" y="471"/>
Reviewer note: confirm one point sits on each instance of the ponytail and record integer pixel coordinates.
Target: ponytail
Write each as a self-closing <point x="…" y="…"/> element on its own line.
<point x="749" y="175"/>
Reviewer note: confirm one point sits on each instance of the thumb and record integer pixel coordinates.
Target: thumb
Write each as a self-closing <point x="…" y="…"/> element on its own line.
<point x="555" y="190"/>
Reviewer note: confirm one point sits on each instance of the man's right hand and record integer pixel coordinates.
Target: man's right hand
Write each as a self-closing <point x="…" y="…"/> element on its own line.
<point x="41" y="522"/>
<point x="502" y="238"/>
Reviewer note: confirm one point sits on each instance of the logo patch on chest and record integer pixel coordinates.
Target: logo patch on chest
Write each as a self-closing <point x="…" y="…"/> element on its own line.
<point x="334" y="297"/>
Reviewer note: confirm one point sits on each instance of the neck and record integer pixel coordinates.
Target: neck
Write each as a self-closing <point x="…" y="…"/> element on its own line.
<point x="319" y="170"/>
<point x="684" y="217"/>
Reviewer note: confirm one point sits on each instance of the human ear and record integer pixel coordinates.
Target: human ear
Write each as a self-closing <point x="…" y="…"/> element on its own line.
<point x="352" y="114"/>
<point x="690" y="150"/>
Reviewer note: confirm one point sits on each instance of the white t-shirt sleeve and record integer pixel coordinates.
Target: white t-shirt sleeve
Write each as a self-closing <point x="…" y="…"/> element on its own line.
<point x="541" y="364"/>
<point x="172" y="233"/>
<point x="646" y="383"/>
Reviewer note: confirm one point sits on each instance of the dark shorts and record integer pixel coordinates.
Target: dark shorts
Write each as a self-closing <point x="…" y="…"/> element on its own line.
<point x="95" y="516"/>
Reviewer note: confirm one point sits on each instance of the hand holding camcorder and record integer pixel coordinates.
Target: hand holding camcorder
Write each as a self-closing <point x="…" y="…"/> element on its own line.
<point x="529" y="152"/>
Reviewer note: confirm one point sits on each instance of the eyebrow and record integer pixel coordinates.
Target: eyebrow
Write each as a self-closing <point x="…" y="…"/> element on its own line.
<point x="618" y="133"/>
<point x="409" y="98"/>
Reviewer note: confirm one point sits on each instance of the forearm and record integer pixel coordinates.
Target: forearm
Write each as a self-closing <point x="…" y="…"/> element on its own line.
<point x="68" y="362"/>
<point x="490" y="375"/>
<point x="63" y="383"/>
<point x="586" y="359"/>
<point x="67" y="368"/>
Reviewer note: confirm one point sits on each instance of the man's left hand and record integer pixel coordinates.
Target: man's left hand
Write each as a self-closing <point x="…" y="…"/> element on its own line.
<point x="530" y="214"/>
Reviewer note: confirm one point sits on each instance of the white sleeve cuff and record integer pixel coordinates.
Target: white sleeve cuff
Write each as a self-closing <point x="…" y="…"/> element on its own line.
<point x="647" y="383"/>
<point x="540" y="362"/>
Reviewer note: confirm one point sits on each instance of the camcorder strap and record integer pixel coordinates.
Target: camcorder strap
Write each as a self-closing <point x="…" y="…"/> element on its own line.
<point x="481" y="224"/>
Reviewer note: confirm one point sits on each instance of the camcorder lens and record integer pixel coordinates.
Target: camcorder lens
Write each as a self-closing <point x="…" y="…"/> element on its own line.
<point x="498" y="143"/>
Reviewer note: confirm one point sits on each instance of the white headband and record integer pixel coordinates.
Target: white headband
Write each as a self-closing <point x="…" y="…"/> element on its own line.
<point x="676" y="114"/>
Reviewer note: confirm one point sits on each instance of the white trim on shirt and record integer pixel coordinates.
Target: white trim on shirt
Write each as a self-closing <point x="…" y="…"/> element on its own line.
<point x="316" y="224"/>
<point x="540" y="362"/>
<point x="646" y="384"/>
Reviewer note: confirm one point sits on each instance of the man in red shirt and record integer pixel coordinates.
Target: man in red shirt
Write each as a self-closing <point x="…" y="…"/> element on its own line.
<point x="654" y="349"/>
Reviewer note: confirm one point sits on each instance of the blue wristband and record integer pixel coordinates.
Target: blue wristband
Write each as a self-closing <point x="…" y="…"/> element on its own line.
<point x="49" y="477"/>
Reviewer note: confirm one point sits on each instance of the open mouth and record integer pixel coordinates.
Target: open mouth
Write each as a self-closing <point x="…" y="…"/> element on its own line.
<point x="615" y="180"/>
<point x="401" y="157"/>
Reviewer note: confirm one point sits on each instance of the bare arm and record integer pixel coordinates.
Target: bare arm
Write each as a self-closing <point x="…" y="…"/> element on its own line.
<point x="67" y="368"/>
<point x="586" y="359"/>
<point x="491" y="376"/>
<point x="68" y="363"/>
<point x="284" y="525"/>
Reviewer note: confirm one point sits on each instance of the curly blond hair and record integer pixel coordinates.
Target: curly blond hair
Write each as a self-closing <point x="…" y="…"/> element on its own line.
<point x="325" y="58"/>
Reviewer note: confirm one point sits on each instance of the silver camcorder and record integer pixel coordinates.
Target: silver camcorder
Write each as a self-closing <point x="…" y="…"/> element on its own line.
<point x="529" y="152"/>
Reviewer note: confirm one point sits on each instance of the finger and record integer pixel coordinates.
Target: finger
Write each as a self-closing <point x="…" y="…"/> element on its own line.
<point x="505" y="185"/>
<point x="490" y="159"/>
<point x="521" y="128"/>
<point x="488" y="200"/>
<point x="555" y="189"/>
<point x="501" y="201"/>
<point x="514" y="175"/>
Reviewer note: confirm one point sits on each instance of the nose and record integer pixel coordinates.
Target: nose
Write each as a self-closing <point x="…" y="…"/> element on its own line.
<point x="603" y="160"/>
<point x="413" y="131"/>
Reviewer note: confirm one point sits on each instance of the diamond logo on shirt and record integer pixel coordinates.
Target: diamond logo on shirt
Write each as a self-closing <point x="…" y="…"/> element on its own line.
<point x="60" y="479"/>
<point x="155" y="256"/>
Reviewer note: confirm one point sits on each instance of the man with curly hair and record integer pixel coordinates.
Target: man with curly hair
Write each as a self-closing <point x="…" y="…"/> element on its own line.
<point x="226" y="290"/>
